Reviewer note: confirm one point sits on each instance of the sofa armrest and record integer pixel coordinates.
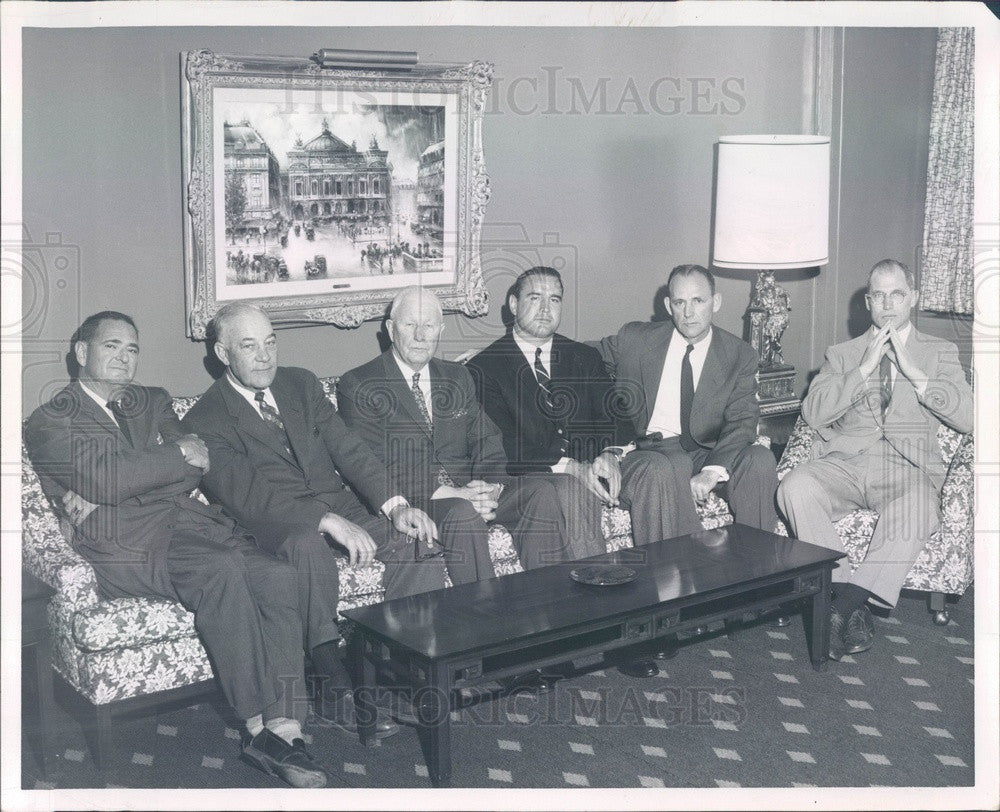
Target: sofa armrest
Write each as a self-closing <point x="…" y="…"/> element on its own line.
<point x="958" y="502"/>
<point x="797" y="450"/>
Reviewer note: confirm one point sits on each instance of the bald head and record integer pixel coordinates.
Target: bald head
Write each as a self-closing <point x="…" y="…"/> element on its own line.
<point x="246" y="344"/>
<point x="414" y="325"/>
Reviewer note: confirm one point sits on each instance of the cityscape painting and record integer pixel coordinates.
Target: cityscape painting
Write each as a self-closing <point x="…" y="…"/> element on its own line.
<point x="319" y="194"/>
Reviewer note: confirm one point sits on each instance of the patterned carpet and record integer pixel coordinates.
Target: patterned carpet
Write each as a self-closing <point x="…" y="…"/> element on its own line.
<point x="746" y="712"/>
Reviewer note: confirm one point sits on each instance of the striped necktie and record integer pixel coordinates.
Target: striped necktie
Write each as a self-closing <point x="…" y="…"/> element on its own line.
<point x="273" y="419"/>
<point x="544" y="380"/>
<point x="885" y="383"/>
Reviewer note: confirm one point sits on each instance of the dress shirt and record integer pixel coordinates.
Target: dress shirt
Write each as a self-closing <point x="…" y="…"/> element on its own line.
<point x="666" y="415"/>
<point x="424" y="384"/>
<point x="546" y="359"/>
<point x="904" y="334"/>
<point x="250" y="396"/>
<point x="102" y="402"/>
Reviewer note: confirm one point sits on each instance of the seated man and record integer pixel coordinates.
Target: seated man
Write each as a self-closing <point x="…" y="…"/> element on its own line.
<point x="94" y="446"/>
<point x="279" y="449"/>
<point x="422" y="418"/>
<point x="691" y="389"/>
<point x="876" y="405"/>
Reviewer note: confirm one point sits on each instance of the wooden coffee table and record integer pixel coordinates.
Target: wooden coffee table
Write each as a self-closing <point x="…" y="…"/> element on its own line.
<point x="440" y="641"/>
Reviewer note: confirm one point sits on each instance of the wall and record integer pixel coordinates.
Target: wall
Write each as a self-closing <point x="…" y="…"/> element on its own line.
<point x="622" y="192"/>
<point x="588" y="173"/>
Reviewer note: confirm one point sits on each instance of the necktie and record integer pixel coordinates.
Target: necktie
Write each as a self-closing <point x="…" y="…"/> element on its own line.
<point x="273" y="419"/>
<point x="116" y="409"/>
<point x="418" y="396"/>
<point x="885" y="382"/>
<point x="687" y="397"/>
<point x="544" y="380"/>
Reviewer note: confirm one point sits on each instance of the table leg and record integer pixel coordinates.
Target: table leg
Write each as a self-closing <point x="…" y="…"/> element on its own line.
<point x="363" y="677"/>
<point x="818" y="616"/>
<point x="435" y="715"/>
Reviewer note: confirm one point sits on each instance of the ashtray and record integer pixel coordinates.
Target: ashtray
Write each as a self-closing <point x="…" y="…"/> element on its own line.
<point x="603" y="575"/>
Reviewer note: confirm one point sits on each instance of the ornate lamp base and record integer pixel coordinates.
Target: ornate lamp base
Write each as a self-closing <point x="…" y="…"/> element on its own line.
<point x="767" y="318"/>
<point x="776" y="390"/>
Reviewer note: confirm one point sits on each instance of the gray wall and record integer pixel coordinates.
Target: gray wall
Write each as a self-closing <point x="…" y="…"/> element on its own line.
<point x="617" y="195"/>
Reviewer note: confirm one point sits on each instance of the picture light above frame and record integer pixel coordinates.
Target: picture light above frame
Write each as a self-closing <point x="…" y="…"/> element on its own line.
<point x="319" y="188"/>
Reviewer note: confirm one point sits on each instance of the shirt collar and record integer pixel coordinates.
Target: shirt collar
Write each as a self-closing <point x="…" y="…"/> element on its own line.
<point x="529" y="349"/>
<point x="409" y="372"/>
<point x="250" y="395"/>
<point x="700" y="347"/>
<point x="102" y="402"/>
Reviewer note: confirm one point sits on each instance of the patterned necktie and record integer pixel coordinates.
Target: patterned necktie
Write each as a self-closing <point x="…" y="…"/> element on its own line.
<point x="885" y="383"/>
<point x="273" y="419"/>
<point x="687" y="398"/>
<point x="116" y="409"/>
<point x="418" y="396"/>
<point x="544" y="381"/>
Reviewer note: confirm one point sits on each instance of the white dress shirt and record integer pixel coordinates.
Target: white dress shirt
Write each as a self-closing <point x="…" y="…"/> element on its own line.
<point x="100" y="402"/>
<point x="666" y="415"/>
<point x="423" y="384"/>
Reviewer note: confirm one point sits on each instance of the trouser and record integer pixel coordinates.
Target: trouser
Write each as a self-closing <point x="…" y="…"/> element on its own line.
<point x="530" y="508"/>
<point x="818" y="493"/>
<point x="246" y="611"/>
<point x="656" y="489"/>
<point x="465" y="538"/>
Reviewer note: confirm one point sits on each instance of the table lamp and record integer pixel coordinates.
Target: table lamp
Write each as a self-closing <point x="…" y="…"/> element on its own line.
<point x="772" y="203"/>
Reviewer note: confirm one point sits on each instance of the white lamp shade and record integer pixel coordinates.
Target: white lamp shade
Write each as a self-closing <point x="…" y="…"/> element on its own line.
<point x="772" y="202"/>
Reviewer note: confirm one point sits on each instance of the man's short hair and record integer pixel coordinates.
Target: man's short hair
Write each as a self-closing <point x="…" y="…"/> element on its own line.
<point x="538" y="270"/>
<point x="889" y="265"/>
<point x="86" y="331"/>
<point x="406" y="293"/>
<point x="226" y="314"/>
<point x="691" y="270"/>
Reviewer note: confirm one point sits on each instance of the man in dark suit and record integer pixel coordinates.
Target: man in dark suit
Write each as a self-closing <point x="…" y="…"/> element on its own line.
<point x="876" y="406"/>
<point x="95" y="448"/>
<point x="421" y="417"/>
<point x="691" y="392"/>
<point x="280" y="458"/>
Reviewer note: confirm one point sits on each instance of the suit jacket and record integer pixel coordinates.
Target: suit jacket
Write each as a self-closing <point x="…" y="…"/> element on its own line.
<point x="141" y="490"/>
<point x="724" y="412"/>
<point x="377" y="402"/>
<point x="254" y="477"/>
<point x="845" y="410"/>
<point x="582" y="398"/>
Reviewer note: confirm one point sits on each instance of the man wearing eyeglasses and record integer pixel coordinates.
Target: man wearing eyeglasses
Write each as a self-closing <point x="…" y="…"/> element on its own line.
<point x="876" y="405"/>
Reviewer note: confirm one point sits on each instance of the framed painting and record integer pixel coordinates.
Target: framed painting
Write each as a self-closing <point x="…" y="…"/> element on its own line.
<point x="317" y="194"/>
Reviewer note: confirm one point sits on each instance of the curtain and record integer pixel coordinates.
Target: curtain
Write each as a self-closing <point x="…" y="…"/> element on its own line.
<point x="946" y="282"/>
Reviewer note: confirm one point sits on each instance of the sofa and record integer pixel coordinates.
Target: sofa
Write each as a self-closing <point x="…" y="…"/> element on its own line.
<point x="945" y="566"/>
<point x="128" y="654"/>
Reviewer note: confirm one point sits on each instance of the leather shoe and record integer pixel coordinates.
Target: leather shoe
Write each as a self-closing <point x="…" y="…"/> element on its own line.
<point x="290" y="762"/>
<point x="532" y="681"/>
<point x="838" y="647"/>
<point x="339" y="711"/>
<point x="639" y="669"/>
<point x="860" y="633"/>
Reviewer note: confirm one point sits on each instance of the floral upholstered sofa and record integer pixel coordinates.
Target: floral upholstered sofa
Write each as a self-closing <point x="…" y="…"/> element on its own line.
<point x="945" y="566"/>
<point x="116" y="652"/>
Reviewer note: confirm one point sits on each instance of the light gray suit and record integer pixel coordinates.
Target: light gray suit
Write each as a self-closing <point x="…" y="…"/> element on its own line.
<point x="891" y="465"/>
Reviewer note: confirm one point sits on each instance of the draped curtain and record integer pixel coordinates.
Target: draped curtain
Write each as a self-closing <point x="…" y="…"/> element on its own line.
<point x="946" y="279"/>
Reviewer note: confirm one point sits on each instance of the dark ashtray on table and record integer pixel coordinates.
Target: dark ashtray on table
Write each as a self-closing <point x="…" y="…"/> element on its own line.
<point x="603" y="574"/>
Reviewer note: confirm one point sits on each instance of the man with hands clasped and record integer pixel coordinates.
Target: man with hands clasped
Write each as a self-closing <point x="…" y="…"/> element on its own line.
<point x="876" y="405"/>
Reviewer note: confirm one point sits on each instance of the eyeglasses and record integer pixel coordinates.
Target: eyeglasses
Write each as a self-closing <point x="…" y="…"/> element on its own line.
<point x="879" y="297"/>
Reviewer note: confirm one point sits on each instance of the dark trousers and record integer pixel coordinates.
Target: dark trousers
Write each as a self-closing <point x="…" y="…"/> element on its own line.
<point x="656" y="487"/>
<point x="465" y="538"/>
<point x="246" y="611"/>
<point x="529" y="507"/>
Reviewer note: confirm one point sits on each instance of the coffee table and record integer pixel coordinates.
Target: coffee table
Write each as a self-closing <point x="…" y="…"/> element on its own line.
<point x="440" y="641"/>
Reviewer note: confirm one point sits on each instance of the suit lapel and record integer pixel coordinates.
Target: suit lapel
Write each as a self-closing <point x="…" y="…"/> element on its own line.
<point x="95" y="412"/>
<point x="712" y="374"/>
<point x="651" y="370"/>
<point x="290" y="409"/>
<point x="250" y="422"/>
<point x="400" y="388"/>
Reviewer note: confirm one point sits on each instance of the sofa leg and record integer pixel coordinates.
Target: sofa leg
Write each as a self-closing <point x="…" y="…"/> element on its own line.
<point x="936" y="604"/>
<point x="101" y="737"/>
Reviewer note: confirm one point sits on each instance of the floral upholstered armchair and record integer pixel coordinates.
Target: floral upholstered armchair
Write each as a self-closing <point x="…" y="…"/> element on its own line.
<point x="945" y="566"/>
<point x="124" y="654"/>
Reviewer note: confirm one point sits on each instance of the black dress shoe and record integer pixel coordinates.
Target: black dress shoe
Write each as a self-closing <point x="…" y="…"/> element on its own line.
<point x="860" y="633"/>
<point x="532" y="682"/>
<point x="639" y="669"/>
<point x="290" y="762"/>
<point x="339" y="711"/>
<point x="837" y="626"/>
